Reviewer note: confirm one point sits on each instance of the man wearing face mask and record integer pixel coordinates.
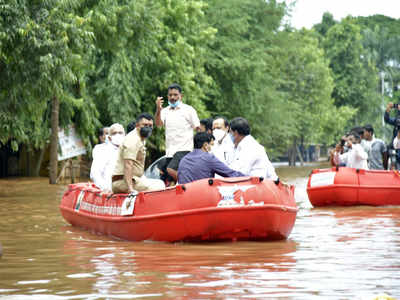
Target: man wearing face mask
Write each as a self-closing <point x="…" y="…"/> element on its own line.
<point x="104" y="161"/>
<point x="128" y="172"/>
<point x="223" y="145"/>
<point x="200" y="164"/>
<point x="248" y="155"/>
<point x="102" y="135"/>
<point x="179" y="120"/>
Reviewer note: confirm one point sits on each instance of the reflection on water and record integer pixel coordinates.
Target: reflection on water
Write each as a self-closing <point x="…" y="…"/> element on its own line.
<point x="335" y="253"/>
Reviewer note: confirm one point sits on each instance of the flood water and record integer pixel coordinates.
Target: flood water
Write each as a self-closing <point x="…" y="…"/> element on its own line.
<point x="332" y="253"/>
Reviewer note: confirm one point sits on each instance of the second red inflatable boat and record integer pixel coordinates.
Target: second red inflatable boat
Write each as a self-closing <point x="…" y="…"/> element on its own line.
<point x="346" y="186"/>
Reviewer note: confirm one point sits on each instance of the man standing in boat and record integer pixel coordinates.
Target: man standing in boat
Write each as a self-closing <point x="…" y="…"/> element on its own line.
<point x="249" y="157"/>
<point x="129" y="169"/>
<point x="377" y="150"/>
<point x="179" y="120"/>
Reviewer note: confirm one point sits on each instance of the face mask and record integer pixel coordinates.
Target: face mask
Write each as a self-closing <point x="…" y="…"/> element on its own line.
<point x="175" y="104"/>
<point x="232" y="137"/>
<point x="117" y="139"/>
<point x="145" y="132"/>
<point x="107" y="140"/>
<point x="218" y="134"/>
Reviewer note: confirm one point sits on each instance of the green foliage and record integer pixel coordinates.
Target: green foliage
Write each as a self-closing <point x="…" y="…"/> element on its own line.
<point x="107" y="61"/>
<point x="43" y="46"/>
<point x="354" y="75"/>
<point x="241" y="56"/>
<point x="327" y="22"/>
<point x="307" y="86"/>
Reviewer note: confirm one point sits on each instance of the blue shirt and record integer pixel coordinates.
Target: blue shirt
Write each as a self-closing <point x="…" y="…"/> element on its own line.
<point x="199" y="164"/>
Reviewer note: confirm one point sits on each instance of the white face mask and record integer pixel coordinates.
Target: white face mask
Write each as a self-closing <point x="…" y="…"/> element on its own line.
<point x="218" y="134"/>
<point x="117" y="139"/>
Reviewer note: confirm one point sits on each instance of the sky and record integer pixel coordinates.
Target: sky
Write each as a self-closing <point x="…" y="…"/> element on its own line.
<point x="306" y="13"/>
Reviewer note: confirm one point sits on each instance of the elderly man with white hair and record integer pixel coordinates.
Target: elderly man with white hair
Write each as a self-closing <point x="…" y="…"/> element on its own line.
<point x="104" y="162"/>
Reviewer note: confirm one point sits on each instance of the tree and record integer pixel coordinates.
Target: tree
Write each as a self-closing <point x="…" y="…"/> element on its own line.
<point x="241" y="60"/>
<point x="307" y="86"/>
<point x="42" y="57"/>
<point x="141" y="48"/>
<point x="354" y="75"/>
<point x="327" y="22"/>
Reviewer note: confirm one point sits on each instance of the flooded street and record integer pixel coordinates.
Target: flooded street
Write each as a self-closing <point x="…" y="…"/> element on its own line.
<point x="332" y="253"/>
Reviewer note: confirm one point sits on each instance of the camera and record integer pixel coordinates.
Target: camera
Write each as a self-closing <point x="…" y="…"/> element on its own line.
<point x="397" y="123"/>
<point x="395" y="106"/>
<point x="342" y="142"/>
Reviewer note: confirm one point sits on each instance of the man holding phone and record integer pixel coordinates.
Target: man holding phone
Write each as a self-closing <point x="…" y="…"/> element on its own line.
<point x="395" y="121"/>
<point x="179" y="120"/>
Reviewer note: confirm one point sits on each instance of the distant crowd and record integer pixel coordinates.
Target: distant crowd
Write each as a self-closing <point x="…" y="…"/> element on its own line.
<point x="360" y="149"/>
<point x="195" y="149"/>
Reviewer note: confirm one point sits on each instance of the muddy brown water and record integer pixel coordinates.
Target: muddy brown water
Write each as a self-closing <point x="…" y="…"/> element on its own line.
<point x="332" y="253"/>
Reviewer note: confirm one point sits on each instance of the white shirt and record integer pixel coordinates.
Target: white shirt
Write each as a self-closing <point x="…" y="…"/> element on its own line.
<point x="179" y="123"/>
<point x="355" y="158"/>
<point x="396" y="143"/>
<point x="104" y="159"/>
<point x="223" y="150"/>
<point x="250" y="158"/>
<point x="366" y="145"/>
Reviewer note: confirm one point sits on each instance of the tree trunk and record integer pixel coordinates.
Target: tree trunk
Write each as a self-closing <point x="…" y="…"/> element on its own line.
<point x="36" y="170"/>
<point x="300" y="156"/>
<point x="55" y="109"/>
<point x="293" y="153"/>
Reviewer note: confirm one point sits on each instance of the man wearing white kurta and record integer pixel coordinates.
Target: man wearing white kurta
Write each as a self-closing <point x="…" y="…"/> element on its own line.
<point x="105" y="158"/>
<point x="223" y="145"/>
<point x="249" y="156"/>
<point x="355" y="158"/>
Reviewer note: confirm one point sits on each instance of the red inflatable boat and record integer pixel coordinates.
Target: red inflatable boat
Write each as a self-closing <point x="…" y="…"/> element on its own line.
<point x="246" y="208"/>
<point x="346" y="186"/>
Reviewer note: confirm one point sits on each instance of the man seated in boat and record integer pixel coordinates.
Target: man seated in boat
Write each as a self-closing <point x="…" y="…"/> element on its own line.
<point x="249" y="156"/>
<point x="200" y="164"/>
<point x="102" y="135"/>
<point x="223" y="145"/>
<point x="104" y="160"/>
<point x="128" y="176"/>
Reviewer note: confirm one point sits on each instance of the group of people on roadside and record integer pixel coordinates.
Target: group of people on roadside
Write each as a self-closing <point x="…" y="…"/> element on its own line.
<point x="218" y="148"/>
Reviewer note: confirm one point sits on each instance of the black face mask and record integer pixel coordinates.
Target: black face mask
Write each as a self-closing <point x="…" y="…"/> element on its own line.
<point x="145" y="132"/>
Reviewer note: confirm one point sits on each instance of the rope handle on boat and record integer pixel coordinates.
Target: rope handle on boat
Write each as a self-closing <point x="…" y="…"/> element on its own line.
<point x="133" y="194"/>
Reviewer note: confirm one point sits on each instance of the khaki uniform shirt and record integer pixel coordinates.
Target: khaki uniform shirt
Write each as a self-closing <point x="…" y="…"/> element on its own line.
<point x="132" y="148"/>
